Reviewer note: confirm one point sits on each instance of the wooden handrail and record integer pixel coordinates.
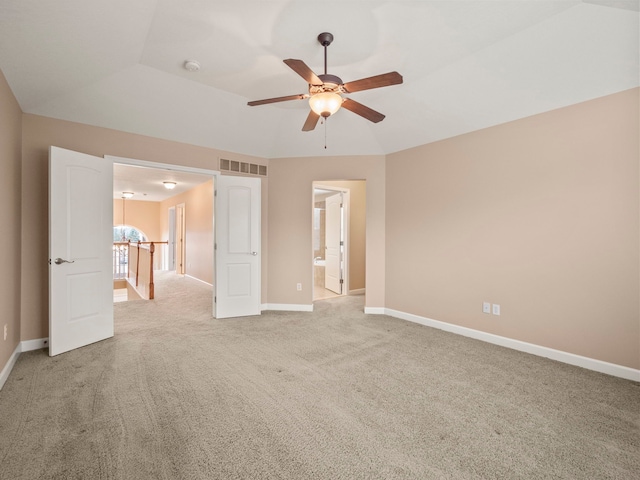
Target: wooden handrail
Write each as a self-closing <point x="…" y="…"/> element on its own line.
<point x="152" y="248"/>
<point x="141" y="243"/>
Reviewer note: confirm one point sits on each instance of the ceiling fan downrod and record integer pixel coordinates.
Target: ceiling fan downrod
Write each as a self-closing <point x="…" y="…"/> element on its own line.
<point x="325" y="40"/>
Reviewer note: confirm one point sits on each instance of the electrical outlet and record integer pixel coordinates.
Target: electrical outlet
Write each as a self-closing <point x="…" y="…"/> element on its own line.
<point x="5" y="331"/>
<point x="486" y="307"/>
<point x="496" y="309"/>
<point x="299" y="287"/>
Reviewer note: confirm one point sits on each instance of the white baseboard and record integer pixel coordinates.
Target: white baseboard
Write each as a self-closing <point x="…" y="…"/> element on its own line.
<point x="375" y="310"/>
<point x="287" y="307"/>
<point x="201" y="281"/>
<point x="357" y="291"/>
<point x="25" y="346"/>
<point x="36" y="344"/>
<point x="4" y="374"/>
<point x="558" y="355"/>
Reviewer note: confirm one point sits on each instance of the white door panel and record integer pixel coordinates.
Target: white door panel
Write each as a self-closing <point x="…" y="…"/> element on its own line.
<point x="238" y="247"/>
<point x="80" y="250"/>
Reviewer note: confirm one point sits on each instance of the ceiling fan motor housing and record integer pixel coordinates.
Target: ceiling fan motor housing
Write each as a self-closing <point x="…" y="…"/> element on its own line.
<point x="330" y="83"/>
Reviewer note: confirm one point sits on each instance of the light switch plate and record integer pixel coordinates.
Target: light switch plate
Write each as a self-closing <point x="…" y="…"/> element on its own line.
<point x="486" y="307"/>
<point x="496" y="309"/>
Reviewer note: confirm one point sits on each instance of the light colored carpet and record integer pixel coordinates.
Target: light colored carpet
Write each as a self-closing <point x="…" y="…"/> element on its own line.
<point x="333" y="394"/>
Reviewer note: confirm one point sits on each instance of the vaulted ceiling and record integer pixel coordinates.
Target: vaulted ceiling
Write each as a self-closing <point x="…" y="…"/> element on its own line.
<point x="466" y="65"/>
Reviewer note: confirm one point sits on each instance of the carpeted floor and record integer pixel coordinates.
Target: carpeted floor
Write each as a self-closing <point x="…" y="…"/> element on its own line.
<point x="333" y="394"/>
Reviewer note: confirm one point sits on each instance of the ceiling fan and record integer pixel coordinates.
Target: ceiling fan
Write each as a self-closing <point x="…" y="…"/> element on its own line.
<point x="325" y="91"/>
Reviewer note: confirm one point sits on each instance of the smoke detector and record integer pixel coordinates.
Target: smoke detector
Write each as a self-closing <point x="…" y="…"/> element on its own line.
<point x="192" y="65"/>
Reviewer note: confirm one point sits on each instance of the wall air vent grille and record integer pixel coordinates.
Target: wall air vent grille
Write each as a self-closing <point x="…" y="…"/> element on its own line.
<point x="235" y="166"/>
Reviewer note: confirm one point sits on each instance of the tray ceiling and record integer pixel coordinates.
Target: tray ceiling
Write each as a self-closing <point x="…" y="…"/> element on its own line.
<point x="466" y="65"/>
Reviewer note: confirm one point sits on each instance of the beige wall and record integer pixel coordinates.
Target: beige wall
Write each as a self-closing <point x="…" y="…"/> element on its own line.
<point x="198" y="206"/>
<point x="539" y="215"/>
<point x="291" y="221"/>
<point x="357" y="230"/>
<point x="10" y="244"/>
<point x="41" y="132"/>
<point x="144" y="216"/>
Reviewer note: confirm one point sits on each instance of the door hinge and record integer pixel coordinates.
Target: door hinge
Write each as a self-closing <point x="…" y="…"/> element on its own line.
<point x="341" y="281"/>
<point x="215" y="193"/>
<point x="215" y="246"/>
<point x="341" y="243"/>
<point x="215" y="299"/>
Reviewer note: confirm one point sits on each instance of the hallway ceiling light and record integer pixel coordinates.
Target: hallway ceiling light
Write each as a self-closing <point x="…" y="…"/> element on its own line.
<point x="169" y="185"/>
<point x="127" y="194"/>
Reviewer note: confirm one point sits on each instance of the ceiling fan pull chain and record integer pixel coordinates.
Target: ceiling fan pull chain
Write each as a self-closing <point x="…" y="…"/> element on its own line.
<point x="325" y="133"/>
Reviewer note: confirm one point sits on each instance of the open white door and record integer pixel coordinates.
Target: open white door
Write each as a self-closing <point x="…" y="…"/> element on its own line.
<point x="333" y="243"/>
<point x="80" y="250"/>
<point x="237" y="218"/>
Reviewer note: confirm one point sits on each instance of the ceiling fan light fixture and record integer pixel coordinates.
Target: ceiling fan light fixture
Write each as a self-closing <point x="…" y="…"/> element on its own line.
<point x="169" y="185"/>
<point x="325" y="103"/>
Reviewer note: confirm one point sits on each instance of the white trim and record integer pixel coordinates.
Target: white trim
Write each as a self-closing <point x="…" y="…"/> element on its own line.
<point x="201" y="281"/>
<point x="25" y="346"/>
<point x="37" y="344"/>
<point x="9" y="366"/>
<point x="375" y="310"/>
<point x="287" y="307"/>
<point x="357" y="291"/>
<point x="161" y="166"/>
<point x="558" y="355"/>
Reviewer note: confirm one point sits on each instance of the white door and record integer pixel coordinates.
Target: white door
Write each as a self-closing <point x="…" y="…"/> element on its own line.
<point x="237" y="218"/>
<point x="80" y="250"/>
<point x="333" y="243"/>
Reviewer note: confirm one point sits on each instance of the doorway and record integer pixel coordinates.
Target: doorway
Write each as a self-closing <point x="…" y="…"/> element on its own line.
<point x="194" y="234"/>
<point x="81" y="230"/>
<point x="338" y="238"/>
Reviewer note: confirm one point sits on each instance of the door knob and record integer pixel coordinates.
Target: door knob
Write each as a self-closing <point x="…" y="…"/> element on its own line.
<point x="60" y="261"/>
<point x="254" y="253"/>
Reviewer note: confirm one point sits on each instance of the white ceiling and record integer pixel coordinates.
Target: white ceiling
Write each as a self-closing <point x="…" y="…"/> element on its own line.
<point x="467" y="65"/>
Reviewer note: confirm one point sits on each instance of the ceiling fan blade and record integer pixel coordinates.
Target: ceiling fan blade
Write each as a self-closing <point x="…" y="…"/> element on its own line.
<point x="311" y="121"/>
<point x="384" y="80"/>
<point x="301" y="96"/>
<point x="305" y="72"/>
<point x="362" y="110"/>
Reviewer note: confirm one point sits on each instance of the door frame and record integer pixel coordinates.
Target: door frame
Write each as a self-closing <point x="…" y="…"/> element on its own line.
<point x="180" y="234"/>
<point x="346" y="212"/>
<point x="171" y="251"/>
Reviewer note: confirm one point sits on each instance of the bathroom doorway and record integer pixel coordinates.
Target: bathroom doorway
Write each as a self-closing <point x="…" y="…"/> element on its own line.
<point x="338" y="238"/>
